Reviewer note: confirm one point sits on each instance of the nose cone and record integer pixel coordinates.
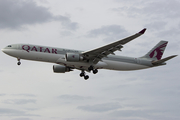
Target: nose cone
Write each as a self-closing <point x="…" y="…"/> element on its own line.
<point x="8" y="51"/>
<point x="3" y="50"/>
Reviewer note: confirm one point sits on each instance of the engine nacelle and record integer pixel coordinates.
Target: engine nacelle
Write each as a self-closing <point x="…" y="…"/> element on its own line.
<point x="61" y="69"/>
<point x="73" y="57"/>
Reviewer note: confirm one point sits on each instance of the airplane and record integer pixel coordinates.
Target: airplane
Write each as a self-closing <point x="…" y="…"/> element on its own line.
<point x="86" y="61"/>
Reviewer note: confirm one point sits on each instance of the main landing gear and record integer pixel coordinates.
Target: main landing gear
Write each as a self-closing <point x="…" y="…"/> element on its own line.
<point x="18" y="63"/>
<point x="83" y="74"/>
<point x="91" y="68"/>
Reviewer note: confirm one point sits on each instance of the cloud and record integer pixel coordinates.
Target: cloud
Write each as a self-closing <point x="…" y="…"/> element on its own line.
<point x="132" y="113"/>
<point x="140" y="114"/>
<point x="100" y="107"/>
<point x="2" y="94"/>
<point x="13" y="112"/>
<point x="110" y="32"/>
<point x="66" y="22"/>
<point x="122" y="99"/>
<point x="16" y="13"/>
<point x="156" y="25"/>
<point x="170" y="33"/>
<point x="144" y="114"/>
<point x="22" y="119"/>
<point x="166" y="9"/>
<point x="26" y="95"/>
<point x="72" y="97"/>
<point x="156" y="9"/>
<point x="20" y="101"/>
<point x="161" y="17"/>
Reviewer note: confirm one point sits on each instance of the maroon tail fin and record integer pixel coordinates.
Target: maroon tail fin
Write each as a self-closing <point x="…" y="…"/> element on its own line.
<point x="157" y="52"/>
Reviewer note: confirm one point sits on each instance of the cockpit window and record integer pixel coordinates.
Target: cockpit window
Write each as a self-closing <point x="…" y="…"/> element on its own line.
<point x="9" y="46"/>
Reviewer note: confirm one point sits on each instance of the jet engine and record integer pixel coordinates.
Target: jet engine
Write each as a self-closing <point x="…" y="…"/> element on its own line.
<point x="73" y="57"/>
<point x="61" y="69"/>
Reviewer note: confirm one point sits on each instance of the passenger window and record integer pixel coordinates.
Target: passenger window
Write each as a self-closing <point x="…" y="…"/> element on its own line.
<point x="9" y="45"/>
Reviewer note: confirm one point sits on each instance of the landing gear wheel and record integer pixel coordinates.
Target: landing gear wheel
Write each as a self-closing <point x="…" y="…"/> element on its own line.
<point x="86" y="77"/>
<point x="90" y="68"/>
<point x="82" y="74"/>
<point x="19" y="63"/>
<point x="95" y="71"/>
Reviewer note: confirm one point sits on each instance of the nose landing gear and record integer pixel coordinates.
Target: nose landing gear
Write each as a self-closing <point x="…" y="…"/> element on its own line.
<point x="18" y="63"/>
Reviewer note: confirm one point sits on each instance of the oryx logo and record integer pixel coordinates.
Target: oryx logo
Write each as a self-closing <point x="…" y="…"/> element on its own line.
<point x="158" y="52"/>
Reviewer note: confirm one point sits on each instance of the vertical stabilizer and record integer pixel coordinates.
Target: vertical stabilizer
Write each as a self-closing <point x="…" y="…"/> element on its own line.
<point x="157" y="52"/>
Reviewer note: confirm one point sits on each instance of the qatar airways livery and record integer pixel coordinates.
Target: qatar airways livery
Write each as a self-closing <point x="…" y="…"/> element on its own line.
<point x="100" y="58"/>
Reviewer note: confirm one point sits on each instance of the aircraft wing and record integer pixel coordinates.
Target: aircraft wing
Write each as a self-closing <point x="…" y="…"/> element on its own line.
<point x="96" y="55"/>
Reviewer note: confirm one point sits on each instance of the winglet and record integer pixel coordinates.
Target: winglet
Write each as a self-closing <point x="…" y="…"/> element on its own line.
<point x="143" y="31"/>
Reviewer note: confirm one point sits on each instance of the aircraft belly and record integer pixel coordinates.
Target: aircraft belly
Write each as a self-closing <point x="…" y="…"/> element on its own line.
<point x="123" y="66"/>
<point x="78" y="65"/>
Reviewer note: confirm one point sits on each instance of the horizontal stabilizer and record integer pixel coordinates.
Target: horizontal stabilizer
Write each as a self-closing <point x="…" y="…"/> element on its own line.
<point x="160" y="62"/>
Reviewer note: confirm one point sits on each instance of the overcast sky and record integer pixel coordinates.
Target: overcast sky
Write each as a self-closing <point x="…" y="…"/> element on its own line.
<point x="32" y="91"/>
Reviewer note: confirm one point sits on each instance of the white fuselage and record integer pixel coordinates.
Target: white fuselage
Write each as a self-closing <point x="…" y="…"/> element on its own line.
<point x="57" y="55"/>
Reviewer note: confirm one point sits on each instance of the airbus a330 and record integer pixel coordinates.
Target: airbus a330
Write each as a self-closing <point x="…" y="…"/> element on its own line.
<point x="86" y="61"/>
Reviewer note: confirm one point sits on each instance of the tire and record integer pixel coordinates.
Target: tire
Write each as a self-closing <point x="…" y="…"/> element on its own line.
<point x="95" y="71"/>
<point x="81" y="74"/>
<point x="19" y="63"/>
<point x="86" y="77"/>
<point x="90" y="68"/>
